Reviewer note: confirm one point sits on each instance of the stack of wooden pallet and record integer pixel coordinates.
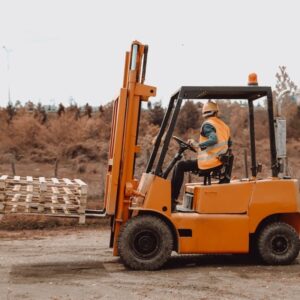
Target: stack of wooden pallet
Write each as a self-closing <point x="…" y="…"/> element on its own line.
<point x="46" y="196"/>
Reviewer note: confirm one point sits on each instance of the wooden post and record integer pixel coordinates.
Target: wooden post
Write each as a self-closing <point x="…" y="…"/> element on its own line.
<point x="56" y="168"/>
<point x="2" y="191"/>
<point x="13" y="165"/>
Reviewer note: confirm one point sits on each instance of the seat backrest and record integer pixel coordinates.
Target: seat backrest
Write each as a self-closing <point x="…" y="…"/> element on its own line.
<point x="223" y="172"/>
<point x="227" y="160"/>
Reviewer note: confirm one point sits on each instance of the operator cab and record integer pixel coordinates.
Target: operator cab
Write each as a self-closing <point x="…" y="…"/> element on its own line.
<point x="220" y="176"/>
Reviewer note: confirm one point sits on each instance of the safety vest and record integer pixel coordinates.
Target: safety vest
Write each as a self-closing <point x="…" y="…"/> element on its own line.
<point x="209" y="158"/>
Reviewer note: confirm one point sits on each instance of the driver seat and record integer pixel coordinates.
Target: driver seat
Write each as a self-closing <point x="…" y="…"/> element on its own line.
<point x="222" y="173"/>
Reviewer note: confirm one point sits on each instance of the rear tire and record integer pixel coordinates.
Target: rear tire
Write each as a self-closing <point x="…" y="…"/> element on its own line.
<point x="278" y="244"/>
<point x="145" y="243"/>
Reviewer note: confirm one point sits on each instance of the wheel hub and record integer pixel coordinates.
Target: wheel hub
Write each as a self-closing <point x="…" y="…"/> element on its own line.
<point x="280" y="244"/>
<point x="146" y="244"/>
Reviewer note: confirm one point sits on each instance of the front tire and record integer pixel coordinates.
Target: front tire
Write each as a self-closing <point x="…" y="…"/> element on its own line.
<point x="278" y="244"/>
<point x="145" y="243"/>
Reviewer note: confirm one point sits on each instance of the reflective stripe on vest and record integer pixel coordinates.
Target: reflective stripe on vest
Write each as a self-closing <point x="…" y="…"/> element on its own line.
<point x="209" y="158"/>
<point x="222" y="151"/>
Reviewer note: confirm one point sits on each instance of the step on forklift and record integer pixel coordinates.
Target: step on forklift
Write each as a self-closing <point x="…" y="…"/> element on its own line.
<point x="251" y="215"/>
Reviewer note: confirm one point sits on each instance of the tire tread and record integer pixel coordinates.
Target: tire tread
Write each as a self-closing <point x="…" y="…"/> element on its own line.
<point x="125" y="252"/>
<point x="265" y="253"/>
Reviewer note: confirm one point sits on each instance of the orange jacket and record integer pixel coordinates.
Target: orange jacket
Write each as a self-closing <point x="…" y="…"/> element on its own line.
<point x="209" y="158"/>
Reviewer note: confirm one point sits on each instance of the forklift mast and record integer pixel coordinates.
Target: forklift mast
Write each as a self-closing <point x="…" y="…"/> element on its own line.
<point x="124" y="135"/>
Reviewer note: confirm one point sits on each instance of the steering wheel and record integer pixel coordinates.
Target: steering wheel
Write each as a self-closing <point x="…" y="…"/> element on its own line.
<point x="183" y="144"/>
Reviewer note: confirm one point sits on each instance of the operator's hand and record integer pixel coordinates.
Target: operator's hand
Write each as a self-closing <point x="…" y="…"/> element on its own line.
<point x="192" y="143"/>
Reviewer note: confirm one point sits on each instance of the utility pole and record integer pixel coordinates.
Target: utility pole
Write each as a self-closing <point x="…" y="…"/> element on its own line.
<point x="8" y="51"/>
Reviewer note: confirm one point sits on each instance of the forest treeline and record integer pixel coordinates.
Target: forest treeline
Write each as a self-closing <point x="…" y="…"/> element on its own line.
<point x="82" y="135"/>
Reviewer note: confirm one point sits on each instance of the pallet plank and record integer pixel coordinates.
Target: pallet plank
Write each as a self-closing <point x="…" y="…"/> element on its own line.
<point x="82" y="185"/>
<point x="66" y="199"/>
<point x="65" y="210"/>
<point x="29" y="188"/>
<point x="16" y="198"/>
<point x="54" y="199"/>
<point x="55" y="180"/>
<point x="55" y="190"/>
<point x="53" y="210"/>
<point x="67" y="191"/>
<point x="43" y="184"/>
<point x="14" y="208"/>
<point x="67" y="181"/>
<point x="27" y="208"/>
<point x="29" y="198"/>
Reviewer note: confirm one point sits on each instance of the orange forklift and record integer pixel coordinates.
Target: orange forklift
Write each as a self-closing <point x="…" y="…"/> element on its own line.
<point x="249" y="215"/>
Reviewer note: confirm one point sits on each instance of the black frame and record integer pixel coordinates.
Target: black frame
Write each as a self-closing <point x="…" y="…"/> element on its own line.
<point x="250" y="93"/>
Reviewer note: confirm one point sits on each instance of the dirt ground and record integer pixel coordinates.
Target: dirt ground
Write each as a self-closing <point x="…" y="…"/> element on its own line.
<point x="77" y="264"/>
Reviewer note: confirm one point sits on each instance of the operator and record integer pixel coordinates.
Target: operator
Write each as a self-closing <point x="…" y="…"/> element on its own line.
<point x="214" y="140"/>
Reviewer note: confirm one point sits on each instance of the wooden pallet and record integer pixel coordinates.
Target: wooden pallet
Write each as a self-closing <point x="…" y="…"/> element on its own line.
<point x="45" y="196"/>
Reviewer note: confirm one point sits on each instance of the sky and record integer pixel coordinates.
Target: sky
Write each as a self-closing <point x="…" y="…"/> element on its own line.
<point x="63" y="49"/>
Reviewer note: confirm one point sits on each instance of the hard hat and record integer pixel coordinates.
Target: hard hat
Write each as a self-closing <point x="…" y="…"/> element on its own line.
<point x="209" y="109"/>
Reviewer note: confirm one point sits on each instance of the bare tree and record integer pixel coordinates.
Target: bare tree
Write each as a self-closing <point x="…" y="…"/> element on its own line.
<point x="40" y="113"/>
<point x="156" y="113"/>
<point x="73" y="108"/>
<point x="61" y="109"/>
<point x="189" y="117"/>
<point x="284" y="82"/>
<point x="88" y="110"/>
<point x="11" y="112"/>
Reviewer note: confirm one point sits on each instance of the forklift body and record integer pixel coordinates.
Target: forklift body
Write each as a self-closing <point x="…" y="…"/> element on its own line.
<point x="240" y="216"/>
